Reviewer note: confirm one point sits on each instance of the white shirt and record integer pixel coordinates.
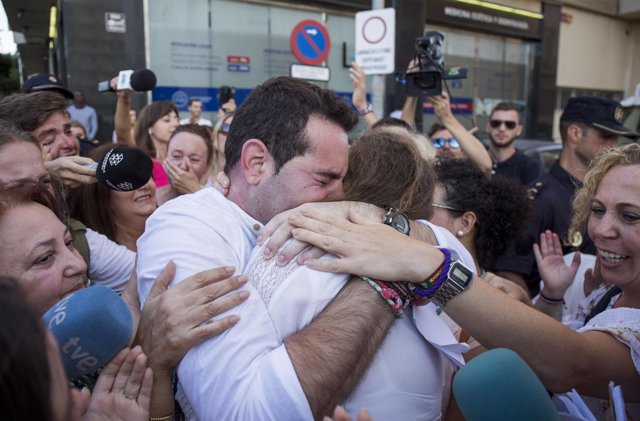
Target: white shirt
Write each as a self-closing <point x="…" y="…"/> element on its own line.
<point x="110" y="264"/>
<point x="242" y="373"/>
<point x="201" y="122"/>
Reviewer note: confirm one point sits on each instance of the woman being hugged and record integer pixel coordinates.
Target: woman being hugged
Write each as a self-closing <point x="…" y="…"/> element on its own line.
<point x="585" y="354"/>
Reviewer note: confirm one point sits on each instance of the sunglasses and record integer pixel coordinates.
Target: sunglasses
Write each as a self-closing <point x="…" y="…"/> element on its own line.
<point x="510" y="124"/>
<point x="441" y="141"/>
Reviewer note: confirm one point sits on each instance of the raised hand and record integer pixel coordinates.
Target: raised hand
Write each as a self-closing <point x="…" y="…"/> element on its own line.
<point x="555" y="274"/>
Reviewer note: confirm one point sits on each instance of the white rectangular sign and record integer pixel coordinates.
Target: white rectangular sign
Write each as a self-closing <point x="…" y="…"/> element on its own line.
<point x="318" y="73"/>
<point x="375" y="41"/>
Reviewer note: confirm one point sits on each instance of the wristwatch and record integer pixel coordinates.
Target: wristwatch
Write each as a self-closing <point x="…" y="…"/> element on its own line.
<point x="398" y="220"/>
<point x="367" y="110"/>
<point x="457" y="281"/>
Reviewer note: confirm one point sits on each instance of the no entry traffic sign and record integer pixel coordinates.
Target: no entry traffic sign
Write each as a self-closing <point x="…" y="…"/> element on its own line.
<point x="310" y="42"/>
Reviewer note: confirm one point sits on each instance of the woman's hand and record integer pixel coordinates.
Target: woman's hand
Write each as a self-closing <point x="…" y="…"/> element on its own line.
<point x="366" y="247"/>
<point x="123" y="390"/>
<point x="359" y="82"/>
<point x="555" y="274"/>
<point x="278" y="230"/>
<point x="175" y="320"/>
<point x="182" y="181"/>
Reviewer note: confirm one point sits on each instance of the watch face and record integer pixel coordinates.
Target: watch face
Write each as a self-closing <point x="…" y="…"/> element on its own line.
<point x="461" y="274"/>
<point x="401" y="223"/>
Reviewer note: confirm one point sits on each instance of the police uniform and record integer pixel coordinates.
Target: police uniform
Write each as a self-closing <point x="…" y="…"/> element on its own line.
<point x="518" y="167"/>
<point x="553" y="194"/>
<point x="552" y="197"/>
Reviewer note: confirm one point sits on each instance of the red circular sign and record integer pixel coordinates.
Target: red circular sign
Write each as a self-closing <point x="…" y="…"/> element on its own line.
<point x="310" y="42"/>
<point x="374" y="30"/>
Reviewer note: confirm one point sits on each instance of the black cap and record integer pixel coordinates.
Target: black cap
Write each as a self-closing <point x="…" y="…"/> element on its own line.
<point x="603" y="114"/>
<point x="45" y="82"/>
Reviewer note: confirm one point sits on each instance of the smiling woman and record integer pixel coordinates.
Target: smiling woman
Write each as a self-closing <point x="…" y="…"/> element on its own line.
<point x="118" y="215"/>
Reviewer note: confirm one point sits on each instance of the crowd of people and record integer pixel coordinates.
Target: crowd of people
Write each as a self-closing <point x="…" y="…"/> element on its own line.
<point x="278" y="266"/>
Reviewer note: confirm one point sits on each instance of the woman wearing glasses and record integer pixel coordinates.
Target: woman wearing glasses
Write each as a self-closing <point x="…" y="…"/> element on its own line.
<point x="452" y="140"/>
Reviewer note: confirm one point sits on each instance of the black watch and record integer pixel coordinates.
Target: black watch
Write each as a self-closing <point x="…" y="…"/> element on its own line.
<point x="398" y="220"/>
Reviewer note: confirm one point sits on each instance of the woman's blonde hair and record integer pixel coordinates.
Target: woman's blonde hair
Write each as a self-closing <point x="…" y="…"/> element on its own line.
<point x="598" y="168"/>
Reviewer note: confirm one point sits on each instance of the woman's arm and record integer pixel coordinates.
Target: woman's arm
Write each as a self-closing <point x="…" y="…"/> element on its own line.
<point x="561" y="357"/>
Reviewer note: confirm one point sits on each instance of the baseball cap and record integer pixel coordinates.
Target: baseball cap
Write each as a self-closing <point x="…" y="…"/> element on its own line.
<point x="603" y="114"/>
<point x="45" y="82"/>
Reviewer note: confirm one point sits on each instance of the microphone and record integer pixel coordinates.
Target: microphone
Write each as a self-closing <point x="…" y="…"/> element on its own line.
<point x="141" y="80"/>
<point x="124" y="168"/>
<point x="91" y="326"/>
<point x="499" y="386"/>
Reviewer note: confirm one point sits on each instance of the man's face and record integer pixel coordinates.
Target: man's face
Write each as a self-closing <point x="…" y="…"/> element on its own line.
<point x="78" y="99"/>
<point x="55" y="135"/>
<point x="447" y="146"/>
<point x="195" y="108"/>
<point x="592" y="142"/>
<point x="21" y="162"/>
<point x="503" y="128"/>
<point x="313" y="177"/>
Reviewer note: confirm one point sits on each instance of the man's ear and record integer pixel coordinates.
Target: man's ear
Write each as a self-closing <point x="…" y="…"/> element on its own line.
<point x="518" y="129"/>
<point x="574" y="133"/>
<point x="254" y="160"/>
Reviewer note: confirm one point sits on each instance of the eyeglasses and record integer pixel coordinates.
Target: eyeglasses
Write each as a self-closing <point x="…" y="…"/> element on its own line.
<point x="510" y="124"/>
<point x="224" y="129"/>
<point x="451" y="208"/>
<point x="441" y="141"/>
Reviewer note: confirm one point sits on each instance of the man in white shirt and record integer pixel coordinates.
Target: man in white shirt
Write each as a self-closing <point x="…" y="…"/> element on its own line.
<point x="289" y="147"/>
<point x="195" y="110"/>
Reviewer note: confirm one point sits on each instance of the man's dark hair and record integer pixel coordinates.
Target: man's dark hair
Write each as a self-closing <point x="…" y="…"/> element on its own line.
<point x="277" y="113"/>
<point x="435" y="127"/>
<point x="192" y="100"/>
<point x="29" y="111"/>
<point x="507" y="106"/>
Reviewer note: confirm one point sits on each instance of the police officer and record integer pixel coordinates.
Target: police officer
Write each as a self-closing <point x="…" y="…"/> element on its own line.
<point x="587" y="126"/>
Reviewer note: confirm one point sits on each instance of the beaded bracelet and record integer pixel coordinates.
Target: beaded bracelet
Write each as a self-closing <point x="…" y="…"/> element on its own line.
<point x="388" y="294"/>
<point x="433" y="283"/>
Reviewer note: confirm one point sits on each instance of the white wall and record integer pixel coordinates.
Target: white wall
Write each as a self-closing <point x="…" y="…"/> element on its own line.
<point x="594" y="51"/>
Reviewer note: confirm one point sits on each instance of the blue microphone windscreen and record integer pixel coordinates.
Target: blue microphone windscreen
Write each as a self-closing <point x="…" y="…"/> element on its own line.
<point x="499" y="386"/>
<point x="91" y="326"/>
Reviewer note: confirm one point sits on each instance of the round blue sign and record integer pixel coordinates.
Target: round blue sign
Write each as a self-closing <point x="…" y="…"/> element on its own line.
<point x="310" y="42"/>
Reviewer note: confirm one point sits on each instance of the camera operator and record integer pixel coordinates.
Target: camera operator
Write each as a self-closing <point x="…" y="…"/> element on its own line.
<point x="450" y="138"/>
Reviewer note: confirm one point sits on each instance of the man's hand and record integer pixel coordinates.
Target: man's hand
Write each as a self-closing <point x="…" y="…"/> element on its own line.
<point x="182" y="181"/>
<point x="441" y="107"/>
<point x="72" y="170"/>
<point x="175" y="320"/>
